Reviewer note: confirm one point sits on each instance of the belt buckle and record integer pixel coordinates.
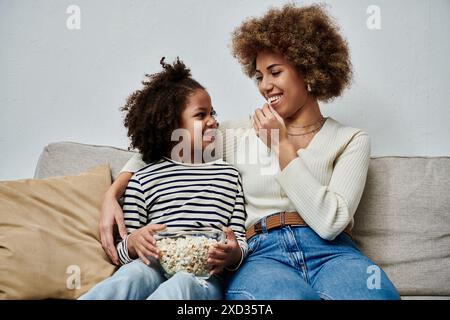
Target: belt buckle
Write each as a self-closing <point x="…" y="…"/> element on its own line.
<point x="258" y="227"/>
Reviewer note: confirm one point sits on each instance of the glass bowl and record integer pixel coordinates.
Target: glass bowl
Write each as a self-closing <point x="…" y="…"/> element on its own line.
<point x="186" y="251"/>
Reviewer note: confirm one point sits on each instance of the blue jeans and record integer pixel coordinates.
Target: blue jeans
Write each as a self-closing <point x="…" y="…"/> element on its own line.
<point x="294" y="263"/>
<point x="137" y="281"/>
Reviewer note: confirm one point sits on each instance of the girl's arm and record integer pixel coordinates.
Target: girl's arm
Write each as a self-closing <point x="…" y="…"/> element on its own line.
<point x="226" y="255"/>
<point x="139" y="243"/>
<point x="231" y="254"/>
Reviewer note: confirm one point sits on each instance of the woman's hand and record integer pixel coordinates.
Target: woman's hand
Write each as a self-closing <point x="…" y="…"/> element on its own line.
<point x="267" y="122"/>
<point x="223" y="255"/>
<point x="142" y="244"/>
<point x="111" y="214"/>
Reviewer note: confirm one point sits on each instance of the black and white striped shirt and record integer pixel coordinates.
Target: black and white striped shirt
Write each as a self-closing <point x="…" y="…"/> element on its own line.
<point x="185" y="197"/>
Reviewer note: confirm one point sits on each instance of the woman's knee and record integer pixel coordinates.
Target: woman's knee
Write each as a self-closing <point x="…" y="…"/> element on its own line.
<point x="355" y="278"/>
<point x="290" y="286"/>
<point x="299" y="293"/>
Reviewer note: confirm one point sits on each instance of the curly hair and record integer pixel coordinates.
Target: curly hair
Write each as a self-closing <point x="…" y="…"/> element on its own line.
<point x="305" y="36"/>
<point x="153" y="112"/>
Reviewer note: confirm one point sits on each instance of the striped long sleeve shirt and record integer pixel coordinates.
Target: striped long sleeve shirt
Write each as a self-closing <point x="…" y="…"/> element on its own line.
<point x="184" y="197"/>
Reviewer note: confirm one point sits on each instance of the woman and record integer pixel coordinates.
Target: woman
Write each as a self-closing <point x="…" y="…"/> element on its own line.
<point x="303" y="190"/>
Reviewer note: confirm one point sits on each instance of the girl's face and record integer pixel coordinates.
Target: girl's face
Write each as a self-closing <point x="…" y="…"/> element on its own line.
<point x="198" y="118"/>
<point x="280" y="83"/>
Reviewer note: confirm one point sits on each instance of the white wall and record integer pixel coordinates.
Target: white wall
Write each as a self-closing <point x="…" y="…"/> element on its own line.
<point x="58" y="84"/>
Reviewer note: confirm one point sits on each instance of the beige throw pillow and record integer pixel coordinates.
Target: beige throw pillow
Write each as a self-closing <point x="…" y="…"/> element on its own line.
<point x="49" y="239"/>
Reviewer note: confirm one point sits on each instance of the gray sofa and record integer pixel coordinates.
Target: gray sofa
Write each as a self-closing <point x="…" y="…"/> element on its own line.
<point x="402" y="222"/>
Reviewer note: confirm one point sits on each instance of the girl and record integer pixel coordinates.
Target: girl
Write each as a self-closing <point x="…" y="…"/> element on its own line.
<point x="176" y="189"/>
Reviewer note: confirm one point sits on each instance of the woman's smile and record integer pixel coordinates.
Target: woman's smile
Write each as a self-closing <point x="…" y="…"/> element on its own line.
<point x="275" y="100"/>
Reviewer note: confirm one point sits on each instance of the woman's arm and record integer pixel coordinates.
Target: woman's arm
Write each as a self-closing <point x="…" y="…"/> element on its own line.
<point x="111" y="212"/>
<point x="328" y="209"/>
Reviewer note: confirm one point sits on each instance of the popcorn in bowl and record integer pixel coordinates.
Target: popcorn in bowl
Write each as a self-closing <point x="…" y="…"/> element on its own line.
<point x="187" y="251"/>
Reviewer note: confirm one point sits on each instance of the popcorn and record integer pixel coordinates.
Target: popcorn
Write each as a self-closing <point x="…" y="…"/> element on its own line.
<point x="186" y="252"/>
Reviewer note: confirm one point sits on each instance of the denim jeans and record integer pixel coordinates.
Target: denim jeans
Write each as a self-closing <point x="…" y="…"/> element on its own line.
<point x="137" y="281"/>
<point x="294" y="263"/>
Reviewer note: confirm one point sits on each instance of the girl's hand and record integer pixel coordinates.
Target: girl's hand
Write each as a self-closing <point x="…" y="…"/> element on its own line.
<point x="223" y="255"/>
<point x="142" y="244"/>
<point x="267" y="123"/>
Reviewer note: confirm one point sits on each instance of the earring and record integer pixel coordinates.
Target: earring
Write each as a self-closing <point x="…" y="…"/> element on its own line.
<point x="308" y="88"/>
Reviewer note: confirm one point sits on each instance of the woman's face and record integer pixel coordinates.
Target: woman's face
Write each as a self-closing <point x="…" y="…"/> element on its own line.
<point x="280" y="83"/>
<point x="198" y="119"/>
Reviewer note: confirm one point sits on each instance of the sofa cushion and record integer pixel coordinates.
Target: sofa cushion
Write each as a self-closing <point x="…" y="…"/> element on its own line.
<point x="403" y="222"/>
<point x="64" y="158"/>
<point x="49" y="240"/>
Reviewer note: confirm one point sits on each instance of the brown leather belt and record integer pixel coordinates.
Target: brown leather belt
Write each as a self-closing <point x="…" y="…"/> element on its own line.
<point x="280" y="220"/>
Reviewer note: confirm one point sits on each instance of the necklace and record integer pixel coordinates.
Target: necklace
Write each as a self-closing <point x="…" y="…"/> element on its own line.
<point x="309" y="125"/>
<point x="321" y="122"/>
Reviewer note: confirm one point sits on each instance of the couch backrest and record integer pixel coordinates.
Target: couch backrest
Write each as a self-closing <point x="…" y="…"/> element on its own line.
<point x="66" y="158"/>
<point x="402" y="222"/>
